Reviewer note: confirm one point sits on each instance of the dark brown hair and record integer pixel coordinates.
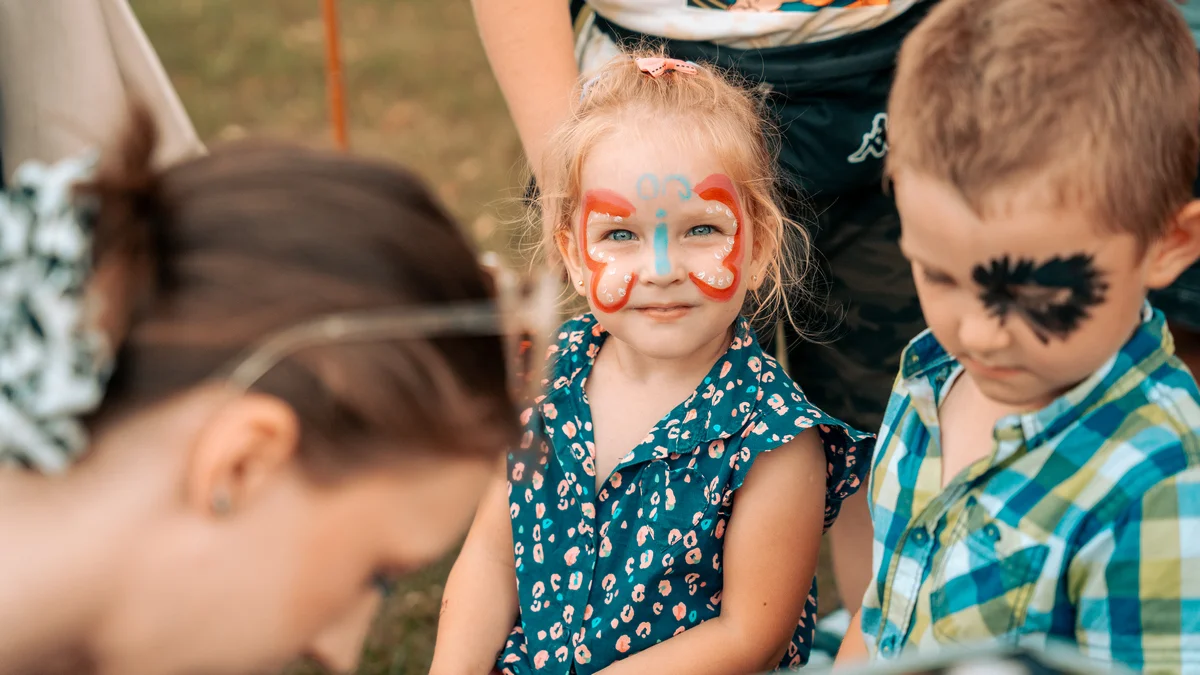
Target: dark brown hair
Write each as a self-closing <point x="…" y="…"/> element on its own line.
<point x="1098" y="103"/>
<point x="261" y="236"/>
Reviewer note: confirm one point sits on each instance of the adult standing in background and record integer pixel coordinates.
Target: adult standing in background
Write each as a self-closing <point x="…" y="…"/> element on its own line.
<point x="1181" y="301"/>
<point x="68" y="71"/>
<point x="826" y="67"/>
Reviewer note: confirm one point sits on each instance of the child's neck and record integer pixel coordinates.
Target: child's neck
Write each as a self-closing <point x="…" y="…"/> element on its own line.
<point x="638" y="368"/>
<point x="629" y="392"/>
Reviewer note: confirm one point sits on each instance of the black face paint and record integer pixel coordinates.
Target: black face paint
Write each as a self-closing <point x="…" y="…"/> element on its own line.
<point x="1052" y="297"/>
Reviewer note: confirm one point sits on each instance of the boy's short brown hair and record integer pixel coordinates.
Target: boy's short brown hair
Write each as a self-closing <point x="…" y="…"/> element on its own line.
<point x="1095" y="101"/>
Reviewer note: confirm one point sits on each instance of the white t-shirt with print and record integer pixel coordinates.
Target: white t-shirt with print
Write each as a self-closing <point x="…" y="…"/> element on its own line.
<point x="750" y="24"/>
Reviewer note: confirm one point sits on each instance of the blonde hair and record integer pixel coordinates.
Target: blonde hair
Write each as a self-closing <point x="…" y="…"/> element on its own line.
<point x="1096" y="102"/>
<point x="725" y="116"/>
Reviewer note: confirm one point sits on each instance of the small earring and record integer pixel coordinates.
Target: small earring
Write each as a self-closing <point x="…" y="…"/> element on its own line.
<point x="221" y="503"/>
<point x="754" y="279"/>
<point x="579" y="283"/>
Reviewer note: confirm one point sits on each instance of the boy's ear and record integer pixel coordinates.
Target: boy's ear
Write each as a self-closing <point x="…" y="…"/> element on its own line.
<point x="1178" y="248"/>
<point x="568" y="249"/>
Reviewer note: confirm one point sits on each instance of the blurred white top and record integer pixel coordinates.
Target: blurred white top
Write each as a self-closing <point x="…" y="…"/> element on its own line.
<point x="68" y="69"/>
<point x="746" y="24"/>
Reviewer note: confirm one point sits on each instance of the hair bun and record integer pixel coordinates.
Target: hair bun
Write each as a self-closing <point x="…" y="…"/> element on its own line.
<point x="128" y="193"/>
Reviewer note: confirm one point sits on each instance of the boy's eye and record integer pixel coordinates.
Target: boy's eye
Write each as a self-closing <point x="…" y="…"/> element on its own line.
<point x="701" y="230"/>
<point x="937" y="278"/>
<point x="619" y="235"/>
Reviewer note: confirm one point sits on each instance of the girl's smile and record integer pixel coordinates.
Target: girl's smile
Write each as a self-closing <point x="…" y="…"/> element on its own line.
<point x="664" y="313"/>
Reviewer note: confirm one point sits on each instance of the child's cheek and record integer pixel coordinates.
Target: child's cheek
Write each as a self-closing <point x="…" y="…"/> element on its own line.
<point x="613" y="275"/>
<point x="718" y="273"/>
<point x="714" y="263"/>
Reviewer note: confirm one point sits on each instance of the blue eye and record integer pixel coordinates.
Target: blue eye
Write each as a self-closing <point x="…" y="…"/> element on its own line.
<point x="619" y="235"/>
<point x="702" y="230"/>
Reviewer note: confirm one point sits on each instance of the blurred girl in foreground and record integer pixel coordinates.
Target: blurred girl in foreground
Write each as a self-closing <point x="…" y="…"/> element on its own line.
<point x="308" y="400"/>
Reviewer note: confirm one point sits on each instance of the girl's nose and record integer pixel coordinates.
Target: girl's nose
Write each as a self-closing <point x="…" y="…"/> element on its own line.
<point x="659" y="265"/>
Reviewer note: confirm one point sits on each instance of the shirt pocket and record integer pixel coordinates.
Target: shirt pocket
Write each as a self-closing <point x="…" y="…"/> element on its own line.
<point x="674" y="507"/>
<point x="985" y="580"/>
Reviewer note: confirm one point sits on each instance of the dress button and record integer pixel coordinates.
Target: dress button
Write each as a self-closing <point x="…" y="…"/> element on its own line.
<point x="888" y="645"/>
<point x="992" y="532"/>
<point x="919" y="536"/>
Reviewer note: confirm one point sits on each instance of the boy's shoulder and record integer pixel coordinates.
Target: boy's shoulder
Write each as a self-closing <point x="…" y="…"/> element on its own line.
<point x="1134" y="425"/>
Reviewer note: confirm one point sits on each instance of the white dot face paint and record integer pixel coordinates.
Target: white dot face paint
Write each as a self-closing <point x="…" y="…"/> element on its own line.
<point x="679" y="234"/>
<point x="602" y="243"/>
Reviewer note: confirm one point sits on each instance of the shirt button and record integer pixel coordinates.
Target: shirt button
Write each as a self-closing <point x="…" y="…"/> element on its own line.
<point x="992" y="532"/>
<point x="919" y="536"/>
<point x="888" y="645"/>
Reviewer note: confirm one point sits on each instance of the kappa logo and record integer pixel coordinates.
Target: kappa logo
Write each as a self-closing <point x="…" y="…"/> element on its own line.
<point x="874" y="142"/>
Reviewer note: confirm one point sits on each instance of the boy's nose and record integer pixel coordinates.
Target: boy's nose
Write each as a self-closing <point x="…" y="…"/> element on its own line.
<point x="981" y="333"/>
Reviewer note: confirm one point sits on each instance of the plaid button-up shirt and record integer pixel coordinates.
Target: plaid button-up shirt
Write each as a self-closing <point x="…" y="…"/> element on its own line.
<point x="1082" y="525"/>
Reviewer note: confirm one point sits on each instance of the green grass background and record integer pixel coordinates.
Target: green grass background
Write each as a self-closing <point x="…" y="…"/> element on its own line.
<point x="418" y="90"/>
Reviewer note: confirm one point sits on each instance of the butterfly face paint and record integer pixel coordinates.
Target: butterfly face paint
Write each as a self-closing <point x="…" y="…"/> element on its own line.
<point x="1052" y="297"/>
<point x="719" y="278"/>
<point x="699" y="239"/>
<point x="609" y="293"/>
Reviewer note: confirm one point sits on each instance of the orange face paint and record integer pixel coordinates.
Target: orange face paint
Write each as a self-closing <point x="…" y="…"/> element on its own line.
<point x="612" y="204"/>
<point x="719" y="188"/>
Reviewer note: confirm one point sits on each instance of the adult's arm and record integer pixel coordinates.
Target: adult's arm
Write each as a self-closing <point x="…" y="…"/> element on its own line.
<point x="530" y="46"/>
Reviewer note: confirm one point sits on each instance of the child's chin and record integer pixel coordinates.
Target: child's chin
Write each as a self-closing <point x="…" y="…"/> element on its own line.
<point x="667" y="343"/>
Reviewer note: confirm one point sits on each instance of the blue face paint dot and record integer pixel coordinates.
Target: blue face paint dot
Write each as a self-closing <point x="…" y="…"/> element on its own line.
<point x="661" y="213"/>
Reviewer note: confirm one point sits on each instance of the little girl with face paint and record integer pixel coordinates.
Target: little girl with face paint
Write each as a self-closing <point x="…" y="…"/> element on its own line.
<point x="664" y="509"/>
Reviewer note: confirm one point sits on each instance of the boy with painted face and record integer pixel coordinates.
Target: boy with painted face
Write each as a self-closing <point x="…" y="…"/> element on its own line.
<point x="665" y="508"/>
<point x="1038" y="474"/>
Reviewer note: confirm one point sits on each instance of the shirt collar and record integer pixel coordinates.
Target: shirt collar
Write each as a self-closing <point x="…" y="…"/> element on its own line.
<point x="926" y="367"/>
<point x="719" y="407"/>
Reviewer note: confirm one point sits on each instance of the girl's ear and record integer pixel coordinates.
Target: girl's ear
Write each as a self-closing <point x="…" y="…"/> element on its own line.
<point x="568" y="249"/>
<point x="761" y="253"/>
<point x="240" y="453"/>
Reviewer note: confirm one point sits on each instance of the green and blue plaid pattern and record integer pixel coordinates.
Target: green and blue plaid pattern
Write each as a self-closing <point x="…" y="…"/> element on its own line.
<point x="1083" y="525"/>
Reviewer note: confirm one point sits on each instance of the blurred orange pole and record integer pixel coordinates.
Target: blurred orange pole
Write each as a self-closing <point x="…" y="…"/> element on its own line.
<point x="333" y="74"/>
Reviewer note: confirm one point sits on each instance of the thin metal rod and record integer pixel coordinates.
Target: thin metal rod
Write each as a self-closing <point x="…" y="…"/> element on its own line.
<point x="333" y="74"/>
